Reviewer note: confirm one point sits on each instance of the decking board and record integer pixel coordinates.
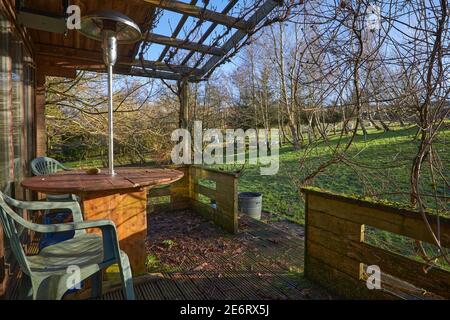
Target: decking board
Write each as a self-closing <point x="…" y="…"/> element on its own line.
<point x="270" y="265"/>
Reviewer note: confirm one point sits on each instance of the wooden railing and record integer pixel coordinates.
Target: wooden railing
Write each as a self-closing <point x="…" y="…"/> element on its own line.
<point x="209" y="192"/>
<point x="337" y="253"/>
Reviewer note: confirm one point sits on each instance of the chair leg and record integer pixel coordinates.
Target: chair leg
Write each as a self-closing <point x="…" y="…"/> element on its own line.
<point x="127" y="277"/>
<point x="50" y="288"/>
<point x="25" y="290"/>
<point x="97" y="284"/>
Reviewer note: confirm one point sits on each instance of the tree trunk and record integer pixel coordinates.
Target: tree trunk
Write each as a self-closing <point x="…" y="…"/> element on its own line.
<point x="373" y="122"/>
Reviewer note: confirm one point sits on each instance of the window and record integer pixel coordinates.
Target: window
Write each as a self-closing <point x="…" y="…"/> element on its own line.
<point x="18" y="112"/>
<point x="16" y="108"/>
<point x="16" y="124"/>
<point x="6" y="146"/>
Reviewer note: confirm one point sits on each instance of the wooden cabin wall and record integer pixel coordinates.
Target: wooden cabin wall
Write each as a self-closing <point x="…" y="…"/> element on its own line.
<point x="17" y="125"/>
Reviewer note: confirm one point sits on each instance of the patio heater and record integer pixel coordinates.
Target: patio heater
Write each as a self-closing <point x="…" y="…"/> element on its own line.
<point x="112" y="29"/>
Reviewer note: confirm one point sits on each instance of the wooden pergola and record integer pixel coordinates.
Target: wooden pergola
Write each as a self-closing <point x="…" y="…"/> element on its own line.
<point x="190" y="53"/>
<point x="63" y="52"/>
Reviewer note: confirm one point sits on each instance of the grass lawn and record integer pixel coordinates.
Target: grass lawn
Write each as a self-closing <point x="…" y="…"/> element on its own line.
<point x="386" y="159"/>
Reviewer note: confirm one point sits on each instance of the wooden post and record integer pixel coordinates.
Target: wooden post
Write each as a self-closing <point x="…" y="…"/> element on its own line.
<point x="184" y="104"/>
<point x="39" y="114"/>
<point x="2" y="264"/>
<point x="179" y="191"/>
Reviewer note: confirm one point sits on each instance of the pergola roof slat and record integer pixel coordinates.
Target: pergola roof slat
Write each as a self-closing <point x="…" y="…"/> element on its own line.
<point x="73" y="52"/>
<point x="139" y="72"/>
<point x="201" y="13"/>
<point x="183" y="44"/>
<point x="157" y="65"/>
<point x="91" y="61"/>
<point x="237" y="37"/>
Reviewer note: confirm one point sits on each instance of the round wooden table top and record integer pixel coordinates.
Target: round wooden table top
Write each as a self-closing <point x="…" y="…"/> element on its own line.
<point x="79" y="182"/>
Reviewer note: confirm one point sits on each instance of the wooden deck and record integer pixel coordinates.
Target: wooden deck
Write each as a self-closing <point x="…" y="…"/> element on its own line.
<point x="192" y="259"/>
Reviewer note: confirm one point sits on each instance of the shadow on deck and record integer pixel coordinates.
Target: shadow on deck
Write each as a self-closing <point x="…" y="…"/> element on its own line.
<point x="190" y="258"/>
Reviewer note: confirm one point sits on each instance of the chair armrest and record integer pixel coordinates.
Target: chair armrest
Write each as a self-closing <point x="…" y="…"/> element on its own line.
<point x="73" y="206"/>
<point x="64" y="167"/>
<point x="111" y="250"/>
<point x="72" y="226"/>
<point x="110" y="241"/>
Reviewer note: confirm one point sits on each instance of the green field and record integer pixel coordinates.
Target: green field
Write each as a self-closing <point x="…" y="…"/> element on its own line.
<point x="380" y="165"/>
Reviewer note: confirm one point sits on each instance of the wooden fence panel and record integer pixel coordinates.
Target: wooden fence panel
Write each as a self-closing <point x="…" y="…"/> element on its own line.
<point x="186" y="193"/>
<point x="223" y="209"/>
<point x="336" y="254"/>
<point x="402" y="222"/>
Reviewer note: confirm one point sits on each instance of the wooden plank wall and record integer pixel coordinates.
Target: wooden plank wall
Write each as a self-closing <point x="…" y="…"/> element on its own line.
<point x="9" y="270"/>
<point x="336" y="254"/>
<point x="185" y="194"/>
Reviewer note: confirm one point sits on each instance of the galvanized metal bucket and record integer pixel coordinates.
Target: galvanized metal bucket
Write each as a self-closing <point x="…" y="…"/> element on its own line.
<point x="250" y="203"/>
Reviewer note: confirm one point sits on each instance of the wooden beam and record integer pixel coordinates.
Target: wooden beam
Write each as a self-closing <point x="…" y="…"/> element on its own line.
<point x="48" y="66"/>
<point x="200" y="13"/>
<point x="39" y="114"/>
<point x="183" y="44"/>
<point x="148" y="73"/>
<point x="162" y="66"/>
<point x="237" y="37"/>
<point x="68" y="53"/>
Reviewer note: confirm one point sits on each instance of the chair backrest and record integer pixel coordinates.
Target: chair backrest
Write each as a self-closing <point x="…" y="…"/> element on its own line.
<point x="43" y="165"/>
<point x="8" y="219"/>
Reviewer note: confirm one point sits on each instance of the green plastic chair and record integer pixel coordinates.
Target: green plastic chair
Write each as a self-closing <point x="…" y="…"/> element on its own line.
<point x="48" y="272"/>
<point x="44" y="165"/>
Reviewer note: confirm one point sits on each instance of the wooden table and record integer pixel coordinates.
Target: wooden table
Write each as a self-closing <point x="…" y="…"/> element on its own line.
<point x="121" y="198"/>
